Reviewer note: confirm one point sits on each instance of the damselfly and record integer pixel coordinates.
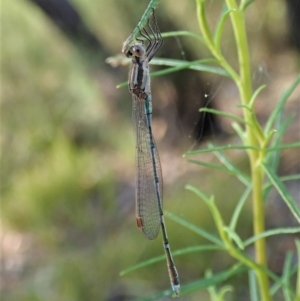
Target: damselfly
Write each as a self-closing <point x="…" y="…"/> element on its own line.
<point x="149" y="182"/>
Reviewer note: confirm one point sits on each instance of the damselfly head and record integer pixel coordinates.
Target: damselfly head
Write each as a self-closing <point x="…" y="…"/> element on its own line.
<point x="137" y="51"/>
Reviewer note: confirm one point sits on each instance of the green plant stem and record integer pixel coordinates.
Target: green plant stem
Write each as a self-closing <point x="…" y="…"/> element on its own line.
<point x="253" y="135"/>
<point x="256" y="157"/>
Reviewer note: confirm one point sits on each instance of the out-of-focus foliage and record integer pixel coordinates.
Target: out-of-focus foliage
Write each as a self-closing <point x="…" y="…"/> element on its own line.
<point x="67" y="166"/>
<point x="60" y="142"/>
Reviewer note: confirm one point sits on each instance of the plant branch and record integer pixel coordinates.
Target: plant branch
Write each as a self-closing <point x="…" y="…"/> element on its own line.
<point x="253" y="134"/>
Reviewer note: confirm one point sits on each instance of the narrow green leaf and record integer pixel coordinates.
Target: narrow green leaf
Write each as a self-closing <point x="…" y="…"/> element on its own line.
<point x="143" y="264"/>
<point x="122" y="85"/>
<point x="279" y="283"/>
<point x="214" y="166"/>
<point x="179" y="33"/>
<point x="199" y="65"/>
<point x="279" y="107"/>
<point x="278" y="231"/>
<point x="159" y="296"/>
<point x="195" y="229"/>
<point x="224" y="114"/>
<point x="239" y="105"/>
<point x="178" y="252"/>
<point x="254" y="96"/>
<point x="283" y="191"/>
<point x="284" y="179"/>
<point x="211" y="289"/>
<point x="198" y="192"/>
<point x="290" y="177"/>
<point x="224" y="160"/>
<point x="214" y="280"/>
<point x="229" y="166"/>
<point x="241" y="133"/>
<point x="216" y="295"/>
<point x="219" y="148"/>
<point x="244" y="4"/>
<point x="235" y="237"/>
<point x="195" y="65"/>
<point x="177" y="65"/>
<point x="195" y="249"/>
<point x="219" y="29"/>
<point x="183" y="33"/>
<point x="286" y="277"/>
<point x="199" y="284"/>
<point x="254" y="294"/>
<point x="255" y="123"/>
<point x="225" y="289"/>
<point x="273" y="158"/>
<point x="238" y="208"/>
<point x="284" y="146"/>
<point x="210" y="165"/>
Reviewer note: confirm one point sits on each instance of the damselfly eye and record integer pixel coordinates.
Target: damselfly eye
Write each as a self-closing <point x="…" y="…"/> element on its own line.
<point x="138" y="50"/>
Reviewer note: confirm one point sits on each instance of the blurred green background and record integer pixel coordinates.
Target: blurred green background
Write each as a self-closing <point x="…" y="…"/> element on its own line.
<point x="67" y="166"/>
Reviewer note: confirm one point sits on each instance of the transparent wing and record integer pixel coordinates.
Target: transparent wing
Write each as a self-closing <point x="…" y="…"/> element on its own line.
<point x="147" y="165"/>
<point x="152" y="34"/>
